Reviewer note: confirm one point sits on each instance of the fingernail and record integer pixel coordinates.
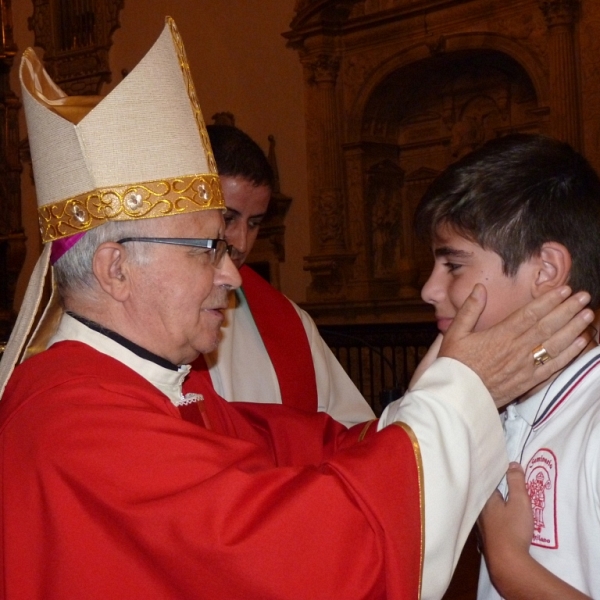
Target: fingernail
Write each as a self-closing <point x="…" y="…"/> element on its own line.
<point x="565" y="291"/>
<point x="588" y="316"/>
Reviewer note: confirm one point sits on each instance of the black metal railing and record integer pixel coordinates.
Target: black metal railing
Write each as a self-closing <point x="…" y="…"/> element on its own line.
<point x="379" y="358"/>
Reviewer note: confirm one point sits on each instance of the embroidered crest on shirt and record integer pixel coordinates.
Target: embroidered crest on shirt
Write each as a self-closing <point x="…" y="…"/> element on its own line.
<point x="541" y="479"/>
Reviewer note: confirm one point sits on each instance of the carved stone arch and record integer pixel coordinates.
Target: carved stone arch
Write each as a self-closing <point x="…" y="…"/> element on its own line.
<point x="532" y="63"/>
<point x="379" y="73"/>
<point x="420" y="111"/>
<point x="522" y="55"/>
<point x="421" y="117"/>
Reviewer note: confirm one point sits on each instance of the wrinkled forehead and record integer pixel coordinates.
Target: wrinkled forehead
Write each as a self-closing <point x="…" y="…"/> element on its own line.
<point x="201" y="224"/>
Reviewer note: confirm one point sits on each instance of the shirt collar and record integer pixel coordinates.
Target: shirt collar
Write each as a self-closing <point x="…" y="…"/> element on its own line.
<point x="533" y="409"/>
<point x="166" y="379"/>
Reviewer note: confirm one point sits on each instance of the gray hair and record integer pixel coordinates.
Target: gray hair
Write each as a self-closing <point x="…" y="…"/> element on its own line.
<point x="74" y="270"/>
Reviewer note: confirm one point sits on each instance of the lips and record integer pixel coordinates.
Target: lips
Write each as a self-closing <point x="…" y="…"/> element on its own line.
<point x="222" y="302"/>
<point x="444" y="323"/>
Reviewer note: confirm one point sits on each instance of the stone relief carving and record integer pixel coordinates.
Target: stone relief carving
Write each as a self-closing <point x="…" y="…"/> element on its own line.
<point x="560" y="12"/>
<point x="12" y="236"/>
<point x="467" y="134"/>
<point x="384" y="199"/>
<point x="330" y="217"/>
<point x="473" y="126"/>
<point x="590" y="82"/>
<point x="354" y="74"/>
<point x="354" y="181"/>
<point x="76" y="37"/>
<point x="325" y="68"/>
<point x="525" y="27"/>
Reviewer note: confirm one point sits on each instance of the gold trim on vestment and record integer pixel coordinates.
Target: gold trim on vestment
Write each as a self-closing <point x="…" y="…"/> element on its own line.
<point x="419" y="462"/>
<point x="365" y="429"/>
<point x="147" y="200"/>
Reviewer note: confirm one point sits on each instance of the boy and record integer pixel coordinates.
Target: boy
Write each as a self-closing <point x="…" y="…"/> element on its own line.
<point x="522" y="215"/>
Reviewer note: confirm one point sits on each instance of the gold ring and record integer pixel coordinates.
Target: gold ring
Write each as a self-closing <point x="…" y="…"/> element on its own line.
<point x="540" y="355"/>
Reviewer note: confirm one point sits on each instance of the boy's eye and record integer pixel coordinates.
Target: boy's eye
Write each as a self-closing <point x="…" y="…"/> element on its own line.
<point x="452" y="266"/>
<point x="228" y="218"/>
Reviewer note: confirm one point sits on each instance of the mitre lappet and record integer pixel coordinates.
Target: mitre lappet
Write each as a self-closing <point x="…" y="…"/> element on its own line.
<point x="141" y="152"/>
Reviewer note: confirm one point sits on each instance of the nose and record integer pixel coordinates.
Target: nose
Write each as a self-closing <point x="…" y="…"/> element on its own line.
<point x="227" y="274"/>
<point x="237" y="236"/>
<point x="433" y="290"/>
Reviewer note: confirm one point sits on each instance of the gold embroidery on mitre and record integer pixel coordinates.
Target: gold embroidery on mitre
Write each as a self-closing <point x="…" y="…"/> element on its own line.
<point x="146" y="200"/>
<point x="191" y="90"/>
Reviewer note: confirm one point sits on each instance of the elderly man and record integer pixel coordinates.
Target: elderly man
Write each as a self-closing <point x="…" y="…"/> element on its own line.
<point x="125" y="477"/>
<point x="270" y="349"/>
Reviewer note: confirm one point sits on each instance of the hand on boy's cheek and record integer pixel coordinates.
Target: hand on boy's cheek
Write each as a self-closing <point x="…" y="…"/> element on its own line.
<point x="502" y="355"/>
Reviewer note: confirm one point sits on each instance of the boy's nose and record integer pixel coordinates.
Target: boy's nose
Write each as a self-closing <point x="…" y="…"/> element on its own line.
<point x="432" y="292"/>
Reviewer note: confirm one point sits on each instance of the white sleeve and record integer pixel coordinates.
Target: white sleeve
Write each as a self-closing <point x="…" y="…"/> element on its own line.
<point x="338" y="396"/>
<point x="463" y="453"/>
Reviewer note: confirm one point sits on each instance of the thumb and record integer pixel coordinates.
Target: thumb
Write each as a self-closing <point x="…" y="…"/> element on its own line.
<point x="468" y="315"/>
<point x="515" y="479"/>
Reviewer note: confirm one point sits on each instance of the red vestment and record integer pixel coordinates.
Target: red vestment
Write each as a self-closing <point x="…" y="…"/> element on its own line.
<point x="285" y="340"/>
<point x="108" y="493"/>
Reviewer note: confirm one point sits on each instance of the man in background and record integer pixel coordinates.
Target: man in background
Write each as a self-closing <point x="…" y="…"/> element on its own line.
<point x="270" y="350"/>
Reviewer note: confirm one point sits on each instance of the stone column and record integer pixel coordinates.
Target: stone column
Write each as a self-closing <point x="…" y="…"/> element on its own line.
<point x="329" y="261"/>
<point x="564" y="87"/>
<point x="330" y="215"/>
<point x="358" y="224"/>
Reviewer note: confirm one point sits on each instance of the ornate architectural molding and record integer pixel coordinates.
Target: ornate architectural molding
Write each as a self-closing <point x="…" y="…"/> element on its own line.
<point x="324" y="68"/>
<point x="560" y="12"/>
<point x="272" y="227"/>
<point x="565" y="116"/>
<point x="323" y="15"/>
<point x="76" y="37"/>
<point x="12" y="237"/>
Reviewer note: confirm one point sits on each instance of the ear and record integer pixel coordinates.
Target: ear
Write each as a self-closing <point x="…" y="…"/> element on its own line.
<point x="553" y="267"/>
<point x="111" y="270"/>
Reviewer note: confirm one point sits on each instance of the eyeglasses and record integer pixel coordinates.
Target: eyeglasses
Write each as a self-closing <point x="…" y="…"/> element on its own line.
<point x="217" y="248"/>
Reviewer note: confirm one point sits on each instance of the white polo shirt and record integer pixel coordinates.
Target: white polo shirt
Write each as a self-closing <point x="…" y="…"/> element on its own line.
<point x="555" y="435"/>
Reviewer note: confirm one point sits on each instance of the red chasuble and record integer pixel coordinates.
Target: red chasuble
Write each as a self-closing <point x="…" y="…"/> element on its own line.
<point x="108" y="493"/>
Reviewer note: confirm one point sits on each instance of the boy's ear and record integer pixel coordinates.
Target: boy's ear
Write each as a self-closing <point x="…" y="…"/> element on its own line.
<point x="111" y="269"/>
<point x="552" y="269"/>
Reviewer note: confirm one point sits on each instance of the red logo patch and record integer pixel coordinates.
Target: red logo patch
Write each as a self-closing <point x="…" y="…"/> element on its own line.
<point x="541" y="479"/>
